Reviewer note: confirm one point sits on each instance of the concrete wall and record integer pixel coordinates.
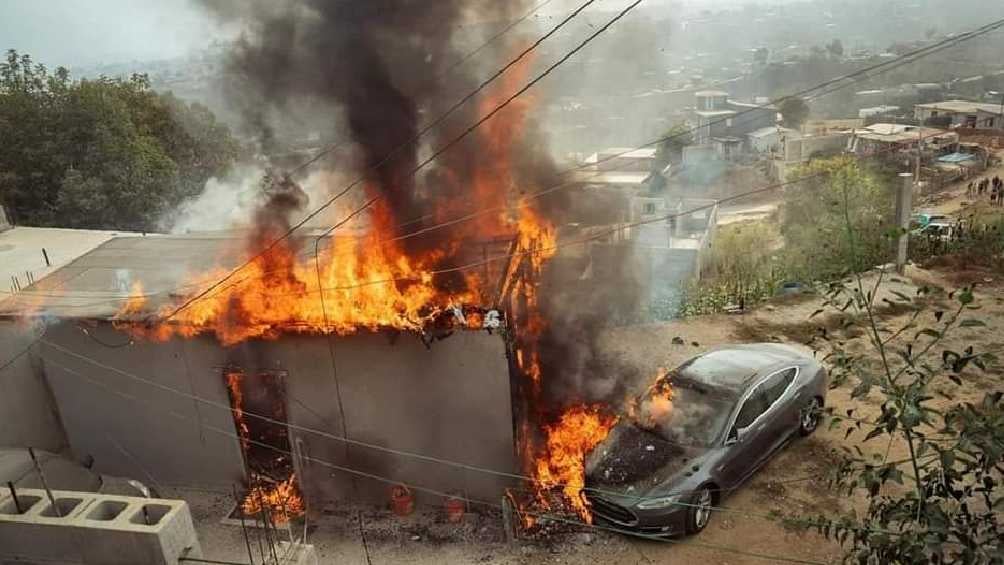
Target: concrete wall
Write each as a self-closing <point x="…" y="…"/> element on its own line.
<point x="132" y="428"/>
<point x="450" y="401"/>
<point x="29" y="416"/>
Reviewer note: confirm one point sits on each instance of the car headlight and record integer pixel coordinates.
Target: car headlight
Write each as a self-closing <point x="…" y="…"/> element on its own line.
<point x="660" y="502"/>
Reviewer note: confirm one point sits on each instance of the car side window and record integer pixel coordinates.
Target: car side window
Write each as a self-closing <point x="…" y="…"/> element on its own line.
<point x="779" y="382"/>
<point x="754" y="406"/>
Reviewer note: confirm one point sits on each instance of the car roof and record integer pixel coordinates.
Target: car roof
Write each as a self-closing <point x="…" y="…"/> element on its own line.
<point x="735" y="367"/>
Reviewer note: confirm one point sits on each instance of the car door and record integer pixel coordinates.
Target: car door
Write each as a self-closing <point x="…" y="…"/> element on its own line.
<point x="781" y="417"/>
<point x="744" y="449"/>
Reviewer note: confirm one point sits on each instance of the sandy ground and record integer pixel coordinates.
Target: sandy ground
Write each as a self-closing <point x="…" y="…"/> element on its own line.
<point x="791" y="483"/>
<point x="746" y="530"/>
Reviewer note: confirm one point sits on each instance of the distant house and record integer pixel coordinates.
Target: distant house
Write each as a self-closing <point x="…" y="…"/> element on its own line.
<point x="878" y="138"/>
<point x="716" y="116"/>
<point x="770" y="139"/>
<point x="883" y="110"/>
<point x="962" y="113"/>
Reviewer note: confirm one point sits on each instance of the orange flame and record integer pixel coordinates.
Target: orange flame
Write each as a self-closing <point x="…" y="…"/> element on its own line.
<point x="281" y="500"/>
<point x="569" y="441"/>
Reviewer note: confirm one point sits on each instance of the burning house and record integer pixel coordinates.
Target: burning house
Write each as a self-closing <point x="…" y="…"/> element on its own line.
<point x="429" y="335"/>
<point x="241" y="401"/>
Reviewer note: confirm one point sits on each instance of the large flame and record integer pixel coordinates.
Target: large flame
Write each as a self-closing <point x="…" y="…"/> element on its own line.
<point x="569" y="441"/>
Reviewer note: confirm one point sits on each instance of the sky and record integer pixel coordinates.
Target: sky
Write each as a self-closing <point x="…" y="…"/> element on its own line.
<point x="88" y="32"/>
<point x="76" y="33"/>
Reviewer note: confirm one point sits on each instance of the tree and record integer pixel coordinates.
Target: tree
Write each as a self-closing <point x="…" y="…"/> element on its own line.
<point x="794" y="112"/>
<point x="814" y="218"/>
<point x="103" y="153"/>
<point x="940" y="504"/>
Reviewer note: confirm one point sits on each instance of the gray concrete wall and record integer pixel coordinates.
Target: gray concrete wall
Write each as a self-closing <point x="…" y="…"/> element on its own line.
<point x="451" y="401"/>
<point x="28" y="415"/>
<point x="132" y="428"/>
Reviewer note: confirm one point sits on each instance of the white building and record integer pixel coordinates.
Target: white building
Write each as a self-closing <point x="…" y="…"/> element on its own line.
<point x="963" y="113"/>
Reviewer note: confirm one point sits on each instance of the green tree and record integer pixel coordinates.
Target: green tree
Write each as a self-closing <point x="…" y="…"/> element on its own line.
<point x="940" y="504"/>
<point x="794" y="112"/>
<point x="104" y="153"/>
<point x="814" y="216"/>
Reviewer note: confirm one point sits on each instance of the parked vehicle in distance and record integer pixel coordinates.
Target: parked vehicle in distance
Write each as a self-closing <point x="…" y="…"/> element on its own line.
<point x="63" y="473"/>
<point x="699" y="432"/>
<point x="921" y="220"/>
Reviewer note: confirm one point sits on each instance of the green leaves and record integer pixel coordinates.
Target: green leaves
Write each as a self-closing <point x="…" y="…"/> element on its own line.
<point x="103" y="153"/>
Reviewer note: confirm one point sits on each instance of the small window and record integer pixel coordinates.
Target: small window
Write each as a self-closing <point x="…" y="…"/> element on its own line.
<point x="779" y="382"/>
<point x="650" y="208"/>
<point x="754" y="406"/>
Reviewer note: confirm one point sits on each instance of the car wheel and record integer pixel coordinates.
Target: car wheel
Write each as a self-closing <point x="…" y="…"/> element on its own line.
<point x="809" y="418"/>
<point x="699" y="511"/>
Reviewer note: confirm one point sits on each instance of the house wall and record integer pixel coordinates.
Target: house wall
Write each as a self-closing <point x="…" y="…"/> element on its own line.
<point x="27" y="409"/>
<point x="450" y="401"/>
<point x="137" y="429"/>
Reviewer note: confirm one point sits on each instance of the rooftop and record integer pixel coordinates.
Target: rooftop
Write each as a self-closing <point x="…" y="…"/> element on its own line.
<point x="895" y="133"/>
<point x="962" y="107"/>
<point x="21" y="252"/>
<point x="97" y="284"/>
<point x="612" y="177"/>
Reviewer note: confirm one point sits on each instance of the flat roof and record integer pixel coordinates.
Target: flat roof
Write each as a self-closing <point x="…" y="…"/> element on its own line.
<point x="893" y="133"/>
<point x="21" y="252"/>
<point x="98" y="283"/>
<point x="612" y="177"/>
<point x="962" y="106"/>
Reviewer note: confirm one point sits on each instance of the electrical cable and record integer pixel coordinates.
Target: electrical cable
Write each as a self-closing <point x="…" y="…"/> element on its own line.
<point x="473" y="501"/>
<point x="459" y="63"/>
<point x="24" y="351"/>
<point x="394" y="152"/>
<point x="833" y="85"/>
<point x="321" y="433"/>
<point x="907" y="58"/>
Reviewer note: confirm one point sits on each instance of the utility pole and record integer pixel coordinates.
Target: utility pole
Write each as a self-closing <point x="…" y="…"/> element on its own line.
<point x="904" y="208"/>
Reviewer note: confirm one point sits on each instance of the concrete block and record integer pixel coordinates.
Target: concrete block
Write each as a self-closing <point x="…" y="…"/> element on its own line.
<point x="95" y="529"/>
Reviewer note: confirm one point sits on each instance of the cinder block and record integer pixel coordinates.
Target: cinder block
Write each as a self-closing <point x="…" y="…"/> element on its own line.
<point x="95" y="529"/>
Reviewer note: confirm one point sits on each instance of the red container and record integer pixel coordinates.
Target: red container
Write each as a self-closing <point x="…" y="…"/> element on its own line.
<point x="402" y="502"/>
<point x="455" y="508"/>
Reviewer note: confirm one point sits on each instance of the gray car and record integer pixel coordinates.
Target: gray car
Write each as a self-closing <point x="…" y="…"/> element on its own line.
<point x="674" y="456"/>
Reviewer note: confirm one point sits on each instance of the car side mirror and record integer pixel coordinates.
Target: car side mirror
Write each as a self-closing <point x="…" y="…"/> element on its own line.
<point x="733" y="437"/>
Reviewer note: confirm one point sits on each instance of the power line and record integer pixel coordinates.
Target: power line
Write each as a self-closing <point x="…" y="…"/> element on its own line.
<point x="834" y="85"/>
<point x="601" y="234"/>
<point x="396" y="150"/>
<point x="459" y="63"/>
<point x="24" y="351"/>
<point x="828" y="86"/>
<point x="384" y="449"/>
<point x="474" y="501"/>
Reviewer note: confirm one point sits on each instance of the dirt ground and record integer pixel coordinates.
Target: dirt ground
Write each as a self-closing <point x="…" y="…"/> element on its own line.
<point x="746" y="530"/>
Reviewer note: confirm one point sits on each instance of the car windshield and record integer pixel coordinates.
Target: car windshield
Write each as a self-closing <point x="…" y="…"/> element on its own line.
<point x="684" y="411"/>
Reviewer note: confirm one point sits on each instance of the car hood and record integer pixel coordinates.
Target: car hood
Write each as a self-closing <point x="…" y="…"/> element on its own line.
<point x="633" y="461"/>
